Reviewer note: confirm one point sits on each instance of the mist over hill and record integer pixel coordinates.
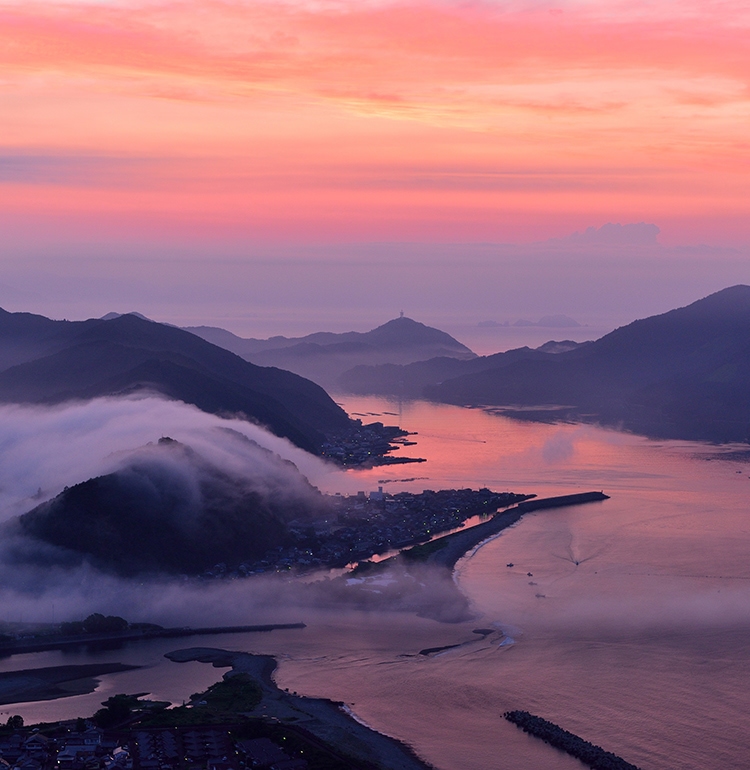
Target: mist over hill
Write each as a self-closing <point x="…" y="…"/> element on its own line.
<point x="169" y="510"/>
<point x="324" y="356"/>
<point x="45" y="362"/>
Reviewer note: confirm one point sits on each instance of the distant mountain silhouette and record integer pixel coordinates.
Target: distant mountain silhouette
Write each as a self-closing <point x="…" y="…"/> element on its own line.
<point x="168" y="510"/>
<point x="323" y="356"/>
<point x="112" y="316"/>
<point x="45" y="361"/>
<point x="411" y="380"/>
<point x="612" y="234"/>
<point x="683" y="374"/>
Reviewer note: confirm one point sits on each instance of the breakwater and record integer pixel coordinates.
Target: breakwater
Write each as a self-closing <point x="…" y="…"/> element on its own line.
<point x="589" y="753"/>
<point x="446" y="551"/>
<point x="60" y="642"/>
<point x="561" y="501"/>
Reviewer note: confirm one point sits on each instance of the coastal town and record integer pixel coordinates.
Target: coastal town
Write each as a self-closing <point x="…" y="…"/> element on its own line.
<point x="78" y="744"/>
<point x="367" y="445"/>
<point x="246" y="720"/>
<point x="365" y="525"/>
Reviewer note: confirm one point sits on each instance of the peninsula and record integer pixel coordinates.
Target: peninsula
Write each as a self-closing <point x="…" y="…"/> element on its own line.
<point x="325" y="719"/>
<point x="242" y="721"/>
<point x="446" y="551"/>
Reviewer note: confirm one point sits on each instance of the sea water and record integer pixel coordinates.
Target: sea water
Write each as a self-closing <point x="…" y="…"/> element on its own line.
<point x="626" y="622"/>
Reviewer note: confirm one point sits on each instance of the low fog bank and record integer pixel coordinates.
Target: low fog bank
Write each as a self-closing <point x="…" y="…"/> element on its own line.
<point x="69" y="594"/>
<point x="680" y="606"/>
<point x="210" y="461"/>
<point x="167" y="510"/>
<point x="601" y="615"/>
<point x="44" y="449"/>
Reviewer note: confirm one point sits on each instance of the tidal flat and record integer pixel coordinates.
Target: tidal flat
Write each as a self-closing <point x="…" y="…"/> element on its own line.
<point x="52" y="682"/>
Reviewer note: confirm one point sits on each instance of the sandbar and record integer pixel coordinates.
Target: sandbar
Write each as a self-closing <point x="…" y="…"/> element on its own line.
<point x="325" y="719"/>
<point x="34" y="684"/>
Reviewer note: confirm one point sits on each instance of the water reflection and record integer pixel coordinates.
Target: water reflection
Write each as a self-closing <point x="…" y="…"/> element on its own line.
<point x="632" y="630"/>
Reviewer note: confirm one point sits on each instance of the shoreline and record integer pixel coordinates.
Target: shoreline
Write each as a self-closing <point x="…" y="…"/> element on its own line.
<point x="326" y="720"/>
<point x="407" y="580"/>
<point x="448" y="550"/>
<point x="39" y="684"/>
<point x="58" y="642"/>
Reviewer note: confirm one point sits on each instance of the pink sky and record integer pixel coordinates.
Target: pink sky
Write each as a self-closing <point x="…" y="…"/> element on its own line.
<point x="355" y="121"/>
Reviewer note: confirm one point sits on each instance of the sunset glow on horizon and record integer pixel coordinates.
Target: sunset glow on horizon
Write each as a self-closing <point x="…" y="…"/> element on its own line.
<point x="414" y="120"/>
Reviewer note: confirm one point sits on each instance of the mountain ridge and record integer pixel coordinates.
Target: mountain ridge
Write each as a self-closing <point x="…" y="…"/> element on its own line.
<point x="681" y="374"/>
<point x="324" y="356"/>
<point x="45" y="361"/>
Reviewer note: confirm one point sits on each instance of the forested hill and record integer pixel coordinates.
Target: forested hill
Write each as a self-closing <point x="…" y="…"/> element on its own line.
<point x="46" y="361"/>
<point x="169" y="510"/>
<point x="682" y="374"/>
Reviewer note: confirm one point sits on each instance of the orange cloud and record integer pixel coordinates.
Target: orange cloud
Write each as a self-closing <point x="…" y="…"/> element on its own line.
<point x="414" y="107"/>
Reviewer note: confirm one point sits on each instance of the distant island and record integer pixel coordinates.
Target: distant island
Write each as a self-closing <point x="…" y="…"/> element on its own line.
<point x="546" y="322"/>
<point x="550" y="322"/>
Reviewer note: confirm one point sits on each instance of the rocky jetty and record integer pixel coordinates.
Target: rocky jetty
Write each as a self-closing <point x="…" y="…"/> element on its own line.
<point x="590" y="754"/>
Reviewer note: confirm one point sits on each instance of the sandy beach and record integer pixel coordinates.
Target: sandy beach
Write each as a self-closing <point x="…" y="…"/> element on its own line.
<point x="325" y="719"/>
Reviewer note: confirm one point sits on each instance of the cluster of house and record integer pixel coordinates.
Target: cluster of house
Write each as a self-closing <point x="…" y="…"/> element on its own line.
<point x="69" y="748"/>
<point x="363" y="444"/>
<point x="374" y="523"/>
<point x="206" y="748"/>
<point x="195" y="748"/>
<point x="264" y="753"/>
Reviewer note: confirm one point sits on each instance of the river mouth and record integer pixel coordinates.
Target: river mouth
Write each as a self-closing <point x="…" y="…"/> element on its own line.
<point x="631" y="630"/>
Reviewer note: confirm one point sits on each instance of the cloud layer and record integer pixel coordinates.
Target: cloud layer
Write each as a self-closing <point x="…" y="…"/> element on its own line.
<point x="42" y="450"/>
<point x="420" y="118"/>
<point x="45" y="449"/>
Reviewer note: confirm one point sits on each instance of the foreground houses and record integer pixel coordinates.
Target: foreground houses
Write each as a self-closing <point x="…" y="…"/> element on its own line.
<point x="68" y="747"/>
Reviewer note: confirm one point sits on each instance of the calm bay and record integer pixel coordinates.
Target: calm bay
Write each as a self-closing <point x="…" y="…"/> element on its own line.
<point x="632" y="628"/>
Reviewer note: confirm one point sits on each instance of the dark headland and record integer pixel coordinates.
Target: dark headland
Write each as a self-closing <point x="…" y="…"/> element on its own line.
<point x="43" y="361"/>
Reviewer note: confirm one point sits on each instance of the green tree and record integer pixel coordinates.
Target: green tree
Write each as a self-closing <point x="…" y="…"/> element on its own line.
<point x="116" y="710"/>
<point x="99" y="624"/>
